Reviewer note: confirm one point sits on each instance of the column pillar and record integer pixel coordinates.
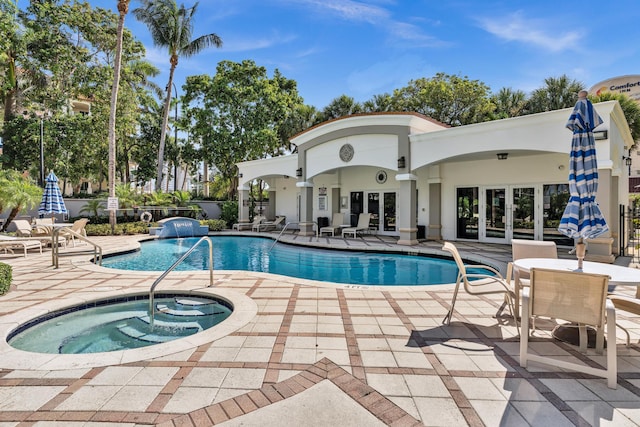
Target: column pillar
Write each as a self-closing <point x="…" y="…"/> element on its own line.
<point x="434" y="228"/>
<point x="306" y="208"/>
<point x="243" y="204"/>
<point x="270" y="212"/>
<point x="407" y="212"/>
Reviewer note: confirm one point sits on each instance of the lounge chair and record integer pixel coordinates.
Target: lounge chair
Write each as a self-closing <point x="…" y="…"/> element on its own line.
<point x="8" y="243"/>
<point x="336" y="223"/>
<point x="77" y="227"/>
<point x="42" y="232"/>
<point x="248" y="225"/>
<point x="269" y="225"/>
<point x="363" y="225"/>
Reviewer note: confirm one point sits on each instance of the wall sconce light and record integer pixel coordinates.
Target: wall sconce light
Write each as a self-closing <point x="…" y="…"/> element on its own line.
<point x="299" y="172"/>
<point x="601" y="134"/>
<point x="402" y="163"/>
<point x="627" y="161"/>
<point x="502" y="156"/>
<point x="240" y="175"/>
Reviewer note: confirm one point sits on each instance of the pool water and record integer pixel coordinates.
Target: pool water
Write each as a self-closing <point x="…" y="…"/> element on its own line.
<point x="254" y="254"/>
<point x="119" y="324"/>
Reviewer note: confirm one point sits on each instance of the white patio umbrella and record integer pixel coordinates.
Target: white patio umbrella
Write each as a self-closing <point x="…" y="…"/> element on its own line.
<point x="582" y="218"/>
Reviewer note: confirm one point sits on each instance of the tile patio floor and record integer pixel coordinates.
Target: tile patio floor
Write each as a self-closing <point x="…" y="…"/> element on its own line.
<point x="315" y="354"/>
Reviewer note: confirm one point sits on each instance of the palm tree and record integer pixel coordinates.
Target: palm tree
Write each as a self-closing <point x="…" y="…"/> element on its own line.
<point x="172" y="27"/>
<point x="123" y="8"/>
<point x="19" y="193"/>
<point x="556" y="94"/>
<point x="509" y="102"/>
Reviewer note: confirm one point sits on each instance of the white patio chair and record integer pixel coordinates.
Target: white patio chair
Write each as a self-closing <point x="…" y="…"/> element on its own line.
<point x="521" y="249"/>
<point x="580" y="298"/>
<point x="363" y="225"/>
<point x="336" y="224"/>
<point x="248" y="225"/>
<point x="487" y="283"/>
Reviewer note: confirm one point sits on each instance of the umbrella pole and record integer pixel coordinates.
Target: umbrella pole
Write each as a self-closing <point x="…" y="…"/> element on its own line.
<point x="581" y="250"/>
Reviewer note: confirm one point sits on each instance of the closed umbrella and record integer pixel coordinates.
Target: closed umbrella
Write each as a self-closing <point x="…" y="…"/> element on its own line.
<point x="52" y="201"/>
<point x="582" y="218"/>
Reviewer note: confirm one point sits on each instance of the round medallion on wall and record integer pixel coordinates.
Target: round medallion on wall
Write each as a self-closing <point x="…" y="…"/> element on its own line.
<point x="381" y="177"/>
<point x="346" y="152"/>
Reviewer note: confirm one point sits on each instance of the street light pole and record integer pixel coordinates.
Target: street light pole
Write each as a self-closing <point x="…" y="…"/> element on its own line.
<point x="42" y="151"/>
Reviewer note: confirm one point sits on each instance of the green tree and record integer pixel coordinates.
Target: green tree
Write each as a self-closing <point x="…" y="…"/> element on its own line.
<point x="450" y="99"/>
<point x="379" y="103"/>
<point x="237" y="115"/>
<point x="630" y="108"/>
<point x="18" y="194"/>
<point x="172" y="27"/>
<point x="12" y="44"/>
<point x="93" y="207"/>
<point x="556" y="94"/>
<point x="509" y="103"/>
<point x="340" y="107"/>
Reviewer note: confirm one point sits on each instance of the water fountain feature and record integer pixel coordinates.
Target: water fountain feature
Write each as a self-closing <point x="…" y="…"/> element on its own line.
<point x="179" y="227"/>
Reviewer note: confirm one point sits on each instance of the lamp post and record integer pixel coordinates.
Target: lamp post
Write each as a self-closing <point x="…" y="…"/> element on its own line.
<point x="42" y="151"/>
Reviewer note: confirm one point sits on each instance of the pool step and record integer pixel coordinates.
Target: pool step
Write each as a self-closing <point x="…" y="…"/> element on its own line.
<point x="191" y="307"/>
<point x="140" y="329"/>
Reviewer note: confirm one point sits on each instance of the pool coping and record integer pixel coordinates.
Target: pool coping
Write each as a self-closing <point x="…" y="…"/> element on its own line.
<point x="244" y="310"/>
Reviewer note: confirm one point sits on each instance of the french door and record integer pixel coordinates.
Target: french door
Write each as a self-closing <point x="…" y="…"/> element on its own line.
<point x="509" y="213"/>
<point x="382" y="207"/>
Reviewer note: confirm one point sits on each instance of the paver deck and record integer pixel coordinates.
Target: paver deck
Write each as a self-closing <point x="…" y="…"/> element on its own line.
<point x="314" y="354"/>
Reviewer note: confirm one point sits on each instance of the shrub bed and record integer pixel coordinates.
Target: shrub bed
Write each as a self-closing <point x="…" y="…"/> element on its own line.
<point x="5" y="278"/>
<point x="120" y="229"/>
<point x="214" y="224"/>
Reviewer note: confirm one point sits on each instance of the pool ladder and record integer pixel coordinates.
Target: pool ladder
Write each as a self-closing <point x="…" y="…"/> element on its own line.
<point x="174" y="265"/>
<point x="285" y="228"/>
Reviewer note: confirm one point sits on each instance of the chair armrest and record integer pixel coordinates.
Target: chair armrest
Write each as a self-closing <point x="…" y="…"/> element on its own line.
<point x="484" y="267"/>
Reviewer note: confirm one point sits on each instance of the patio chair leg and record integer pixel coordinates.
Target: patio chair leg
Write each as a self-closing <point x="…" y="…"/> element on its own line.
<point x="447" y="318"/>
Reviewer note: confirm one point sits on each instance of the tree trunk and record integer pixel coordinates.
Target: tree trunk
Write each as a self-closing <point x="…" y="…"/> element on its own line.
<point x="123" y="8"/>
<point x="165" y="123"/>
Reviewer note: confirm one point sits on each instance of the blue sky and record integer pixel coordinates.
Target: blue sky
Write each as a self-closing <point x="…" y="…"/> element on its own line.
<point x="363" y="48"/>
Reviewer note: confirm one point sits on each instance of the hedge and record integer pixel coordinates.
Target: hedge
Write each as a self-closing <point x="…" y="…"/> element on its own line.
<point x="5" y="278"/>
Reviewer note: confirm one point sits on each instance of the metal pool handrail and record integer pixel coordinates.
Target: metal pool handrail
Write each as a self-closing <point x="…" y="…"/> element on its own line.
<point x="55" y="246"/>
<point x="175" y="264"/>
<point x="285" y="227"/>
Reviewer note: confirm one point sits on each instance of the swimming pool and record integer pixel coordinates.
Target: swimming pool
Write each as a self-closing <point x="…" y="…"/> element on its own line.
<point x="254" y="254"/>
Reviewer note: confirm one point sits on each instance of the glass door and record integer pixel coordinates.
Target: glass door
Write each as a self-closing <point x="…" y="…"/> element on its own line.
<point x="389" y="213"/>
<point x="373" y="208"/>
<point x="523" y="213"/>
<point x="495" y="215"/>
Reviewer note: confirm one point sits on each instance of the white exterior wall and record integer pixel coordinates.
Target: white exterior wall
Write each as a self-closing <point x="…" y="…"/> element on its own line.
<point x="369" y="150"/>
<point x="530" y="170"/>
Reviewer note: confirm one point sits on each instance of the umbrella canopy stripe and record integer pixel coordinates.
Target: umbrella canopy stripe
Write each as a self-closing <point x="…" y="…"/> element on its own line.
<point x="582" y="218"/>
<point x="52" y="201"/>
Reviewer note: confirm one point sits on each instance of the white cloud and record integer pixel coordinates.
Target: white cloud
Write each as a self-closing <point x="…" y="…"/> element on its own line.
<point x="515" y="27"/>
<point x="414" y="34"/>
<point x="238" y="44"/>
<point x="350" y="10"/>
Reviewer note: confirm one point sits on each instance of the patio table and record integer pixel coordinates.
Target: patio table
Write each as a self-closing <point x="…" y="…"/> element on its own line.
<point x="618" y="275"/>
